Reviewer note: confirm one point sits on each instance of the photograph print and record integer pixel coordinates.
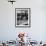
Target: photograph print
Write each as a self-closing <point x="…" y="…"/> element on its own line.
<point x="22" y="17"/>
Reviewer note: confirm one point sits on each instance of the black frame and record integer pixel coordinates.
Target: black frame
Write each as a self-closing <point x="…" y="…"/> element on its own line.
<point x="29" y="14"/>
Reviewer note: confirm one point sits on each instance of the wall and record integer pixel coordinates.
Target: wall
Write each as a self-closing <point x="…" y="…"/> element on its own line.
<point x="37" y="30"/>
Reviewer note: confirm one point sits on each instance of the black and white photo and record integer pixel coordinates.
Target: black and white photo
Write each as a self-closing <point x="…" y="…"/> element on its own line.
<point x="22" y="16"/>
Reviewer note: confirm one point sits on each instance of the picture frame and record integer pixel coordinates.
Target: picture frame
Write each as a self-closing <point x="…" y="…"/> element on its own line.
<point x="22" y="17"/>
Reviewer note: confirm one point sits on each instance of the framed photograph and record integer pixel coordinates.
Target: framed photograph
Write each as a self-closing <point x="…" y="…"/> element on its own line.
<point x="22" y="17"/>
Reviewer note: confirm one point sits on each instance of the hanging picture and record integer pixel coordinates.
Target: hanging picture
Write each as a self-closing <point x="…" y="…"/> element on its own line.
<point x="22" y="17"/>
